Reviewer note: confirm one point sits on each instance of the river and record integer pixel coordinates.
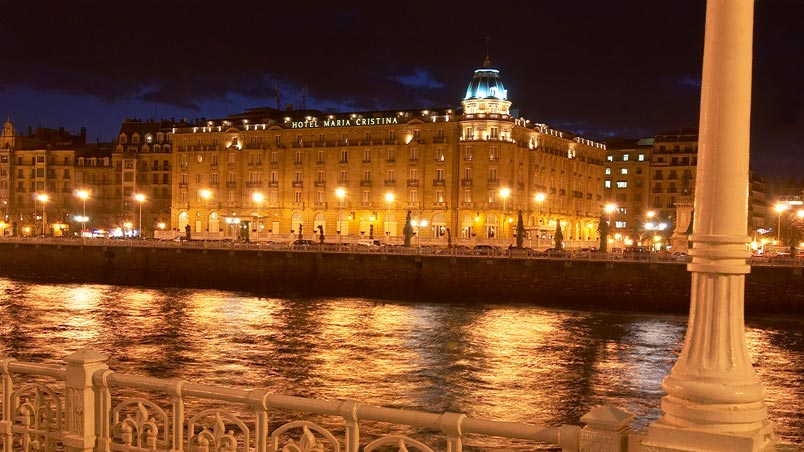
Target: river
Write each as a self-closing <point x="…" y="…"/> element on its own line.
<point x="511" y="362"/>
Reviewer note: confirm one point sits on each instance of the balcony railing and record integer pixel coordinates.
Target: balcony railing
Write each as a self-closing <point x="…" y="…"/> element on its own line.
<point x="320" y="183"/>
<point x="439" y="182"/>
<point x="390" y="183"/>
<point x="413" y="182"/>
<point x="298" y="184"/>
<point x="365" y="183"/>
<point x="466" y="182"/>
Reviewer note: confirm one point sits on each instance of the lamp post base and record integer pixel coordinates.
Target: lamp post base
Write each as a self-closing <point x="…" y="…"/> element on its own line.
<point x="664" y="437"/>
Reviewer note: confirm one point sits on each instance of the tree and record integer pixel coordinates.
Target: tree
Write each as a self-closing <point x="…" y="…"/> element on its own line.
<point x="520" y="231"/>
<point x="795" y="232"/>
<point x="559" y="236"/>
<point x="300" y="231"/>
<point x="603" y="230"/>
<point x="321" y="235"/>
<point x="407" y="231"/>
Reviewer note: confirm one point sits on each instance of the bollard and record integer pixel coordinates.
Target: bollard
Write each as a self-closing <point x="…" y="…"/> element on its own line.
<point x="79" y="398"/>
<point x="607" y="429"/>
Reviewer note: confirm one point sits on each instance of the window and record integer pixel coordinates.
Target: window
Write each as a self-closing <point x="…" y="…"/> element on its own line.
<point x="275" y="157"/>
<point x="344" y="176"/>
<point x="297" y="197"/>
<point x="255" y="177"/>
<point x="492" y="174"/>
<point x="440" y="154"/>
<point x="320" y="176"/>
<point x="366" y="196"/>
<point x="414" y="174"/>
<point x="492" y="195"/>
<point x="495" y="132"/>
<point x="620" y="224"/>
<point x="439" y="196"/>
<point x="366" y="155"/>
<point x="391" y="175"/>
<point x="214" y="160"/>
<point x="231" y="177"/>
<point x="297" y="177"/>
<point x="319" y="197"/>
<point x="608" y="171"/>
<point x="622" y="184"/>
<point x="469" y="134"/>
<point x="417" y="134"/>
<point x="320" y="156"/>
<point x="625" y="157"/>
<point x="198" y="178"/>
<point x="367" y="175"/>
<point x="277" y="140"/>
<point x="414" y="154"/>
<point x="232" y="158"/>
<point x="607" y="184"/>
<point x="297" y="159"/>
<point x="623" y="170"/>
<point x="213" y="178"/>
<point x="641" y="157"/>
<point x="344" y="156"/>
<point x="440" y="174"/>
<point x="467" y="153"/>
<point x="609" y="158"/>
<point x="274" y="177"/>
<point x="494" y="153"/>
<point x="467" y="173"/>
<point x="413" y="197"/>
<point x="467" y="195"/>
<point x="392" y="135"/>
<point x="391" y="155"/>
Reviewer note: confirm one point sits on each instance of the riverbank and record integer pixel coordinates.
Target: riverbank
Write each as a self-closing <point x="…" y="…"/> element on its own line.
<point x="633" y="286"/>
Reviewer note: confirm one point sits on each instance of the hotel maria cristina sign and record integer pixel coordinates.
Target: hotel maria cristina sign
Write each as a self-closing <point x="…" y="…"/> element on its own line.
<point x="314" y="123"/>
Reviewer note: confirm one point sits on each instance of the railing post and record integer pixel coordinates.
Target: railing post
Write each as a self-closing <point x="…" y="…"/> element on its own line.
<point x="7" y="420"/>
<point x="607" y="429"/>
<point x="348" y="411"/>
<point x="79" y="399"/>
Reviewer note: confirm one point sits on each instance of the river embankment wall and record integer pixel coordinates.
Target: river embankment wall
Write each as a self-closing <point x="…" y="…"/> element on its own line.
<point x="635" y="286"/>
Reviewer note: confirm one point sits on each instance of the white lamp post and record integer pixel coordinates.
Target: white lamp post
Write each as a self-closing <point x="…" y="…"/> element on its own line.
<point x="779" y="209"/>
<point x="540" y="197"/>
<point x="83" y="194"/>
<point x="389" y="197"/>
<point x="258" y="198"/>
<point x="43" y="199"/>
<point x="504" y="192"/>
<point x="140" y="198"/>
<point x="341" y="194"/>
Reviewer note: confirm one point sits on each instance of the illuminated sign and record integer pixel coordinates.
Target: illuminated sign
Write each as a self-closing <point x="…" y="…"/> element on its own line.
<point x="311" y="124"/>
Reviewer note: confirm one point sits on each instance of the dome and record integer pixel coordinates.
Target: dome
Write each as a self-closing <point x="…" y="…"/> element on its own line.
<point x="486" y="84"/>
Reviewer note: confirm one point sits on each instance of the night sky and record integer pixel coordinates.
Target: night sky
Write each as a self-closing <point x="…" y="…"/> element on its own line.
<point x="599" y="69"/>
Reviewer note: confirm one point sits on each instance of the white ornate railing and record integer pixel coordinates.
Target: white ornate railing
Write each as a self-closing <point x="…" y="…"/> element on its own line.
<point x="87" y="407"/>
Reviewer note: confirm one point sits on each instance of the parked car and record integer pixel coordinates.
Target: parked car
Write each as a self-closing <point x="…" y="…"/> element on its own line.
<point x="487" y="250"/>
<point x="301" y="244"/>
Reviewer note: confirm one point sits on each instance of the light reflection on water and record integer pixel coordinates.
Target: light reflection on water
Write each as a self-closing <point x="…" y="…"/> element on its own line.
<point x="504" y="362"/>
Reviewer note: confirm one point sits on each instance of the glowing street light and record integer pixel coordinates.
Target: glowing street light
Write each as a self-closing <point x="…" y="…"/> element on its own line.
<point x="83" y="194"/>
<point x="779" y="209"/>
<point x="609" y="209"/>
<point x="140" y="198"/>
<point x="43" y="199"/>
<point x="258" y="198"/>
<point x="504" y="193"/>
<point x="341" y="194"/>
<point x="389" y="197"/>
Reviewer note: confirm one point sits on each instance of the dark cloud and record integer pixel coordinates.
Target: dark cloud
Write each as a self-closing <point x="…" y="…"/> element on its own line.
<point x="604" y="68"/>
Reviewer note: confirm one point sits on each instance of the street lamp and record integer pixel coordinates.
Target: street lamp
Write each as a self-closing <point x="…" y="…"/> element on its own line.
<point x="779" y="209"/>
<point x="43" y="199"/>
<point x="504" y="192"/>
<point x="140" y="198"/>
<point x="206" y="194"/>
<point x="609" y="209"/>
<point x="390" y="198"/>
<point x="258" y="198"/>
<point x="340" y="193"/>
<point x="83" y="194"/>
<point x="540" y="197"/>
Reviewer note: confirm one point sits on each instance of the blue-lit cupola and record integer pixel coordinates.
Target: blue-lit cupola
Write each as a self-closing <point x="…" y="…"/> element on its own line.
<point x="486" y="84"/>
<point x="486" y="93"/>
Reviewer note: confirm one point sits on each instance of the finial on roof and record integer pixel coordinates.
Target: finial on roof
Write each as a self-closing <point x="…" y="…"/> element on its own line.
<point x="487" y="60"/>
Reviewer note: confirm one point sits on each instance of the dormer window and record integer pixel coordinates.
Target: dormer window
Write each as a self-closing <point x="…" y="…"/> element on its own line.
<point x="149" y="138"/>
<point x="123" y="138"/>
<point x="135" y="139"/>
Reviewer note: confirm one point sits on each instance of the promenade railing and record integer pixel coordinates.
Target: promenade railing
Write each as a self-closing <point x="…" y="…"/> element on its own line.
<point x="87" y="407"/>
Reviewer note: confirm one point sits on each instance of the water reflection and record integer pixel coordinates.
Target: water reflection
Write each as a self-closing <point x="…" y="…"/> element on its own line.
<point x="507" y="362"/>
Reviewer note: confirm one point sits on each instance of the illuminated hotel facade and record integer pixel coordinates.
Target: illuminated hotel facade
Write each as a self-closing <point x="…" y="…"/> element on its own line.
<point x="462" y="173"/>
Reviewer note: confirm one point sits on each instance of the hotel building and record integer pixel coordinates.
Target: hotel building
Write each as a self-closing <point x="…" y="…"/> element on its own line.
<point x="461" y="173"/>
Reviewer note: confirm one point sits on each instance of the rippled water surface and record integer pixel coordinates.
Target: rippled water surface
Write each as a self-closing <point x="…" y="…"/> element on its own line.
<point x="504" y="362"/>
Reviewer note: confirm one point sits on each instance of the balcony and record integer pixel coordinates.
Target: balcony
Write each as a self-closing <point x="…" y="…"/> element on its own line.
<point x="320" y="183"/>
<point x="298" y="184"/>
<point x="493" y="182"/>
<point x="466" y="182"/>
<point x="273" y="183"/>
<point x="413" y="183"/>
<point x="254" y="184"/>
<point x="439" y="205"/>
<point x="389" y="183"/>
<point x="182" y="184"/>
<point x="413" y="160"/>
<point x="320" y="205"/>
<point x="439" y="182"/>
<point x="365" y="183"/>
<point x="231" y="184"/>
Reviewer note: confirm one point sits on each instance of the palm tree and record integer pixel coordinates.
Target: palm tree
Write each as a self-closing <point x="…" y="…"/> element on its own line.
<point x="559" y="236"/>
<point x="407" y="231"/>
<point x="603" y="230"/>
<point x="520" y="231"/>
